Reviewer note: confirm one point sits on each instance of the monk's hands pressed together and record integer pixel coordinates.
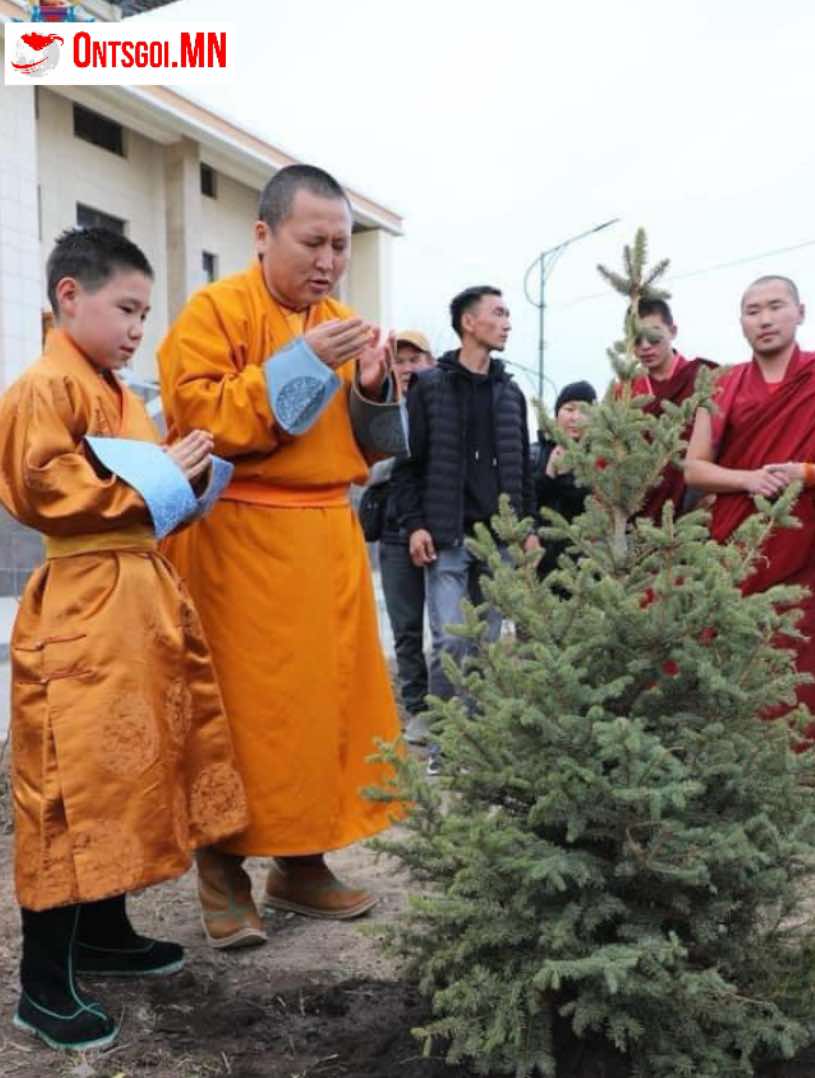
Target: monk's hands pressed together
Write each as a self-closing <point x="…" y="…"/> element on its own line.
<point x="192" y="453"/>
<point x="337" y="341"/>
<point x="770" y="480"/>
<point x="375" y="364"/>
<point x="422" y="550"/>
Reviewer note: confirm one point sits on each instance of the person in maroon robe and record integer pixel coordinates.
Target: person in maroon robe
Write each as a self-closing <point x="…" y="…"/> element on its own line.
<point x="666" y="375"/>
<point x="761" y="439"/>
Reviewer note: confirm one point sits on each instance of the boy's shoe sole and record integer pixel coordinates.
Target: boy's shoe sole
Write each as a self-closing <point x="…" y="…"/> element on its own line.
<point x="157" y="971"/>
<point x="79" y="1046"/>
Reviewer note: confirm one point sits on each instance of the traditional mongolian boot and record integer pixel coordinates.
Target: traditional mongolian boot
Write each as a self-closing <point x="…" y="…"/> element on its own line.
<point x="107" y="945"/>
<point x="307" y="885"/>
<point x="228" y="913"/>
<point x="52" y="1006"/>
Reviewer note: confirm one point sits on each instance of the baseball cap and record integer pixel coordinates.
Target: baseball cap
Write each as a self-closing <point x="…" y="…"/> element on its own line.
<point x="414" y="337"/>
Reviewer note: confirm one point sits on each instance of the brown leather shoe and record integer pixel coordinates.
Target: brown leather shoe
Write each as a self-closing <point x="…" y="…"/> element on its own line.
<point x="228" y="914"/>
<point x="307" y="885"/>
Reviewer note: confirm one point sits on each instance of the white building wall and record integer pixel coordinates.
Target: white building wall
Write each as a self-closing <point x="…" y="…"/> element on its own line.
<point x="131" y="187"/>
<point x="368" y="286"/>
<point x="226" y="225"/>
<point x="20" y="313"/>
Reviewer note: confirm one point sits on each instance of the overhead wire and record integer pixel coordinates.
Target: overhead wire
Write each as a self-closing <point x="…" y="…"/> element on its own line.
<point x="694" y="273"/>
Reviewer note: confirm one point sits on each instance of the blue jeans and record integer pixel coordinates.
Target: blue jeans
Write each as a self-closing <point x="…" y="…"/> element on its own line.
<point x="453" y="576"/>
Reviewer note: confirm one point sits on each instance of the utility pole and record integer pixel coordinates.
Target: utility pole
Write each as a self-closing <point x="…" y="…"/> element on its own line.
<point x="545" y="262"/>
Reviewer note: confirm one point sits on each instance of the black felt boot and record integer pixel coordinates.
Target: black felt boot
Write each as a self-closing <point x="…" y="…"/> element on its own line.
<point x="52" y="1006"/>
<point x="107" y="945"/>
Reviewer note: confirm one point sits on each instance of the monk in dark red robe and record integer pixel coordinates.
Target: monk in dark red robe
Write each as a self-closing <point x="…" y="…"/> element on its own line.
<point x="666" y="376"/>
<point x="760" y="440"/>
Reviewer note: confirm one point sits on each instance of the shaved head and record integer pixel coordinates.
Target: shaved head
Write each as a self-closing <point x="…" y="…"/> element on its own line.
<point x="790" y="285"/>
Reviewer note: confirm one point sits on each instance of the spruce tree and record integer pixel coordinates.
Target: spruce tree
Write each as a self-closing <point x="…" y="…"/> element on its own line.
<point x="620" y="847"/>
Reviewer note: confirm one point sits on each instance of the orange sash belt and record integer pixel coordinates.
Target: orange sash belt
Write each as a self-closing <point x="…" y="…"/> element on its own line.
<point x="137" y="537"/>
<point x="254" y="492"/>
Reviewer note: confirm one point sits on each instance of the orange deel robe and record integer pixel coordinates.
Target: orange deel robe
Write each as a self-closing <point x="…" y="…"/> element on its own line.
<point x="122" y="758"/>
<point x="280" y="576"/>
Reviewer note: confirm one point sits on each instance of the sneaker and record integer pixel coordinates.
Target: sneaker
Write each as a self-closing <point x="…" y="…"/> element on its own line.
<point x="433" y="769"/>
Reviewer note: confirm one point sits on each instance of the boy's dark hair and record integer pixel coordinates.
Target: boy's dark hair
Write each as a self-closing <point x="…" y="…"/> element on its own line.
<point x="467" y="299"/>
<point x="658" y="307"/>
<point x="92" y="256"/>
<point x="277" y="196"/>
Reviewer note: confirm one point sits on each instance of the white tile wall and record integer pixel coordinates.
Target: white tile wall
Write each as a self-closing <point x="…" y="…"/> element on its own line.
<point x="20" y="310"/>
<point x="227" y="225"/>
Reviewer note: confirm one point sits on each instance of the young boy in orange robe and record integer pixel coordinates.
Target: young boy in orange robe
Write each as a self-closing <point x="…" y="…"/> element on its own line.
<point x="122" y="757"/>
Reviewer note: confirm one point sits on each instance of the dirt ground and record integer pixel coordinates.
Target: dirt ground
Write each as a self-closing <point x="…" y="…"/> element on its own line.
<point x="319" y="1000"/>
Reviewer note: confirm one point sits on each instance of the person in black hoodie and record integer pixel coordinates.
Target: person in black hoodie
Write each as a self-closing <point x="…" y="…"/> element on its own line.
<point x="469" y="442"/>
<point x="555" y="487"/>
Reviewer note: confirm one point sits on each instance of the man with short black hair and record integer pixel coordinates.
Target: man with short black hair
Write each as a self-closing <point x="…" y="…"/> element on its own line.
<point x="469" y="443"/>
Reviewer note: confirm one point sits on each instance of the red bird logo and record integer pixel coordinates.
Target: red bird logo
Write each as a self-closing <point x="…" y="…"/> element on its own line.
<point x="40" y="54"/>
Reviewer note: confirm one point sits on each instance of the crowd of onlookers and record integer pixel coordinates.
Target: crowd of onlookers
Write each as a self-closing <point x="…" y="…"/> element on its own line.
<point x="469" y="442"/>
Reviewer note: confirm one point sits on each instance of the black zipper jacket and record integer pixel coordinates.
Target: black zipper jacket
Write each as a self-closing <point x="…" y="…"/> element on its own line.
<point x="438" y="485"/>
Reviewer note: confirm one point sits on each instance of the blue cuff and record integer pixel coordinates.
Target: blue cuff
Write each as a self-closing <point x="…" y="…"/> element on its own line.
<point x="299" y="386"/>
<point x="148" y="469"/>
<point x="220" y="472"/>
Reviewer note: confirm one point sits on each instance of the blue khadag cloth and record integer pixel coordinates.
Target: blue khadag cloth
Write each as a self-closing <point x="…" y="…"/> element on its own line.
<point x="150" y="471"/>
<point x="299" y="386"/>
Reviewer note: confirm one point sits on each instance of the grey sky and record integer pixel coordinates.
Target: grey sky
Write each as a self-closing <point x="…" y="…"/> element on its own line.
<point x="501" y="129"/>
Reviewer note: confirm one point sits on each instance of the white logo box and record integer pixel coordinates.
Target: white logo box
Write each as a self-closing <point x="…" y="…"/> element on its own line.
<point x="128" y="53"/>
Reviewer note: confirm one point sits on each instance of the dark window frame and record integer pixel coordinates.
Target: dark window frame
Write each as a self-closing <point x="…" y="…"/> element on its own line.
<point x="209" y="264"/>
<point x="209" y="181"/>
<point x="89" y="217"/>
<point x="99" y="130"/>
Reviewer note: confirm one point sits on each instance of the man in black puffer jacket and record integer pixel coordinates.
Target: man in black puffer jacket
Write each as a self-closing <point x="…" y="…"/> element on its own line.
<point x="469" y="442"/>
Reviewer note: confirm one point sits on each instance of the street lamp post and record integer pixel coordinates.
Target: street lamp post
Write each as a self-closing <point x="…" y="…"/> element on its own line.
<point x="545" y="268"/>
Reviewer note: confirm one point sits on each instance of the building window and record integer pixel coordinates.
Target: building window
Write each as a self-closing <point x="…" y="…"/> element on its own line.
<point x="209" y="184"/>
<point x="99" y="130"/>
<point x="88" y="217"/>
<point x="210" y="263"/>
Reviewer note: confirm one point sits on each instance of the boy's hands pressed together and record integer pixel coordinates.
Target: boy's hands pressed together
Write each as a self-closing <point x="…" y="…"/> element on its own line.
<point x="192" y="453"/>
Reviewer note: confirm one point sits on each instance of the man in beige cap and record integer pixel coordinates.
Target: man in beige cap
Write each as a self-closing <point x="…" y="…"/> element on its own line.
<point x="402" y="581"/>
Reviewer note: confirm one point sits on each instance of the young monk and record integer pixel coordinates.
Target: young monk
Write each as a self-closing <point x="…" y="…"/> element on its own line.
<point x="759" y="441"/>
<point x="666" y="375"/>
<point x="122" y="758"/>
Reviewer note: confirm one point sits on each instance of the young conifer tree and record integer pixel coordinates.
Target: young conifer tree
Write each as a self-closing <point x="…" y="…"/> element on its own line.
<point x="620" y="850"/>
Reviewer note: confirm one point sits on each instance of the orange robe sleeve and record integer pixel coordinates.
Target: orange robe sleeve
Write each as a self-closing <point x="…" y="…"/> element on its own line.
<point x="46" y="480"/>
<point x="214" y="386"/>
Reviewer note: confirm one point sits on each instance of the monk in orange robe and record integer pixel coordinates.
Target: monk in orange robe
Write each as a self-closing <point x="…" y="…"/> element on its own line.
<point x="122" y="759"/>
<point x="299" y="399"/>
<point x="761" y="439"/>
